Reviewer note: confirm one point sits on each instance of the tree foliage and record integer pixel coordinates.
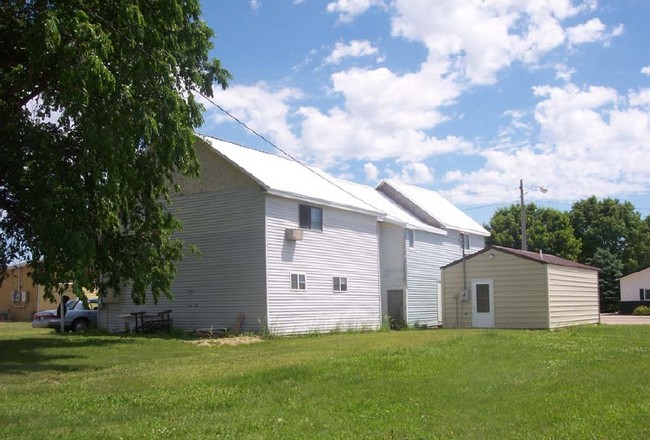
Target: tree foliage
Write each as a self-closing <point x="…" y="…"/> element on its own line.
<point x="611" y="269"/>
<point x="614" y="238"/>
<point x="547" y="229"/>
<point x="98" y="110"/>
<point x="612" y="225"/>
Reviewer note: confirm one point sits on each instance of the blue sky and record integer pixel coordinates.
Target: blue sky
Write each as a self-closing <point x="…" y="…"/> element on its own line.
<point x="463" y="97"/>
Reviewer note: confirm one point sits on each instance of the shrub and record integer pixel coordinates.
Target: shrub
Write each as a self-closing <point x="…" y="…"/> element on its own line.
<point x="641" y="311"/>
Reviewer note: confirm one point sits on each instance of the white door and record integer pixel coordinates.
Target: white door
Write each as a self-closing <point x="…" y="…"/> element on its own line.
<point x="482" y="303"/>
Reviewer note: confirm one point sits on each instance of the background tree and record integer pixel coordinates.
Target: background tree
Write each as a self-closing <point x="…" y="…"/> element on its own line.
<point x="548" y="230"/>
<point x="614" y="238"/>
<point x="98" y="110"/>
<point x="612" y="225"/>
<point x="611" y="270"/>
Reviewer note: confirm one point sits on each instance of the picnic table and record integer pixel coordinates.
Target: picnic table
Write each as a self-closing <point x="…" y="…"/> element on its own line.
<point x="152" y="323"/>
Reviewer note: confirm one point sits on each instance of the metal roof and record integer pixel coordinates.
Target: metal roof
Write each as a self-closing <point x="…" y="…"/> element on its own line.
<point x="395" y="214"/>
<point x="289" y="178"/>
<point x="436" y="206"/>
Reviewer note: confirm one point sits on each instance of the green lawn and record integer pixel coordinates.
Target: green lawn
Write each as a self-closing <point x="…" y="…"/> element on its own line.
<point x="589" y="382"/>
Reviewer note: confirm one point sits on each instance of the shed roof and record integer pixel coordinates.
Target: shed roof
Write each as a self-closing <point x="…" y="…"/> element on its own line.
<point x="532" y="256"/>
<point x="395" y="214"/>
<point x="289" y="178"/>
<point x="437" y="207"/>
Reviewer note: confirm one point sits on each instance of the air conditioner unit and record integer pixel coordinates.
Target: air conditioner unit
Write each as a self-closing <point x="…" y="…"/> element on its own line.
<point x="293" y="234"/>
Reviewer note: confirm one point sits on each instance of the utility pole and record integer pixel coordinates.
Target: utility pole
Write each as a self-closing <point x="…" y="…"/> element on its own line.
<point x="524" y="241"/>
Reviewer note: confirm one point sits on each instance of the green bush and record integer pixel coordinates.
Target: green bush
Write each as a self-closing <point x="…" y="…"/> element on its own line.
<point x="641" y="311"/>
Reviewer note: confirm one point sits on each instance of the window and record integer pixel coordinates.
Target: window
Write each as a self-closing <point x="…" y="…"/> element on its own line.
<point x="644" y="294"/>
<point x="311" y="217"/>
<point x="465" y="241"/>
<point x="340" y="284"/>
<point x="482" y="298"/>
<point x="408" y="234"/>
<point x="298" y="281"/>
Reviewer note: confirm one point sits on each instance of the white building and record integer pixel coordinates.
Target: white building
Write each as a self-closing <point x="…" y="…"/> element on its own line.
<point x="635" y="290"/>
<point x="295" y="250"/>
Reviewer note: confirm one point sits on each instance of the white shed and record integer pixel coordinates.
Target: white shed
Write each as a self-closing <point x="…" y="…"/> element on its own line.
<point x="635" y="290"/>
<point x="509" y="288"/>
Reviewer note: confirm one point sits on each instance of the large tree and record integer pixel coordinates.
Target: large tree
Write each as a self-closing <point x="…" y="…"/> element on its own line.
<point x="97" y="114"/>
<point x="547" y="229"/>
<point x="612" y="225"/>
<point x="611" y="269"/>
<point x="614" y="238"/>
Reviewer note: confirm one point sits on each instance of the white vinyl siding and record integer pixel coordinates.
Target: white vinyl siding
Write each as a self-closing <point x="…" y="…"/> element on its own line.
<point x="228" y="278"/>
<point x="347" y="245"/>
<point x="573" y="296"/>
<point x="423" y="262"/>
<point x="631" y="285"/>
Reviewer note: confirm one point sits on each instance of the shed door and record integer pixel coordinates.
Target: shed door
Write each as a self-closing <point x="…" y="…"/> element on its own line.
<point x="482" y="303"/>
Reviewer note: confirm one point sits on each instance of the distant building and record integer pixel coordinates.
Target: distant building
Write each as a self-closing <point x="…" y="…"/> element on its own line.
<point x="635" y="291"/>
<point x="20" y="298"/>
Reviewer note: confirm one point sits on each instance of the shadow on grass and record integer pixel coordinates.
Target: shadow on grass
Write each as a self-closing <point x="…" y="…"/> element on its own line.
<point x="21" y="356"/>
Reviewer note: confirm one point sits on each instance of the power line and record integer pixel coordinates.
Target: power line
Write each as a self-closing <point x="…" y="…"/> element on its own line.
<point x="488" y="206"/>
<point x="229" y="114"/>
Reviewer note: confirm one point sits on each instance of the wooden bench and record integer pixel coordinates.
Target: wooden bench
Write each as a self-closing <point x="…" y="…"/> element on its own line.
<point x="153" y="323"/>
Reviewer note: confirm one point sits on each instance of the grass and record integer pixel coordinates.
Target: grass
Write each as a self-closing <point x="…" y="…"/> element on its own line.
<point x="588" y="382"/>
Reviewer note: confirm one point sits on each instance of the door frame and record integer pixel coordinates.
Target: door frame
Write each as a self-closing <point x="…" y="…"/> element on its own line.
<point x="484" y="319"/>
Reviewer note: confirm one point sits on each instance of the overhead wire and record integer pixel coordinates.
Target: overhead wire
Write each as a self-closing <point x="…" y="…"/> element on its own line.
<point x="230" y="115"/>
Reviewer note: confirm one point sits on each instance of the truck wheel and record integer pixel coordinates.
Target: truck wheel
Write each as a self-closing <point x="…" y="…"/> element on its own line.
<point x="79" y="325"/>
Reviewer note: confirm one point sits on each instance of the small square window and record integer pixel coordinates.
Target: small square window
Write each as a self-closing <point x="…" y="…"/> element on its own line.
<point x="340" y="284"/>
<point x="311" y="217"/>
<point x="408" y="234"/>
<point x="298" y="281"/>
<point x="647" y="294"/>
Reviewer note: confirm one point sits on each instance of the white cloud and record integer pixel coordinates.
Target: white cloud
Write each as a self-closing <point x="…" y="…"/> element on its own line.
<point x="261" y="107"/>
<point x="416" y="173"/>
<point x="348" y="10"/>
<point x="640" y="98"/>
<point x="387" y="115"/>
<point x="372" y="172"/>
<point x="578" y="141"/>
<point x="645" y="70"/>
<point x="355" y="48"/>
<point x="255" y="4"/>
<point x="591" y="31"/>
<point x="484" y="37"/>
<point x="590" y="143"/>
<point x="564" y="72"/>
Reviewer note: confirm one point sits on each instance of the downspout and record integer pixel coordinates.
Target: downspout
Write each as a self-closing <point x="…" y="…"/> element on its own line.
<point x="462" y="245"/>
<point x="405" y="247"/>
